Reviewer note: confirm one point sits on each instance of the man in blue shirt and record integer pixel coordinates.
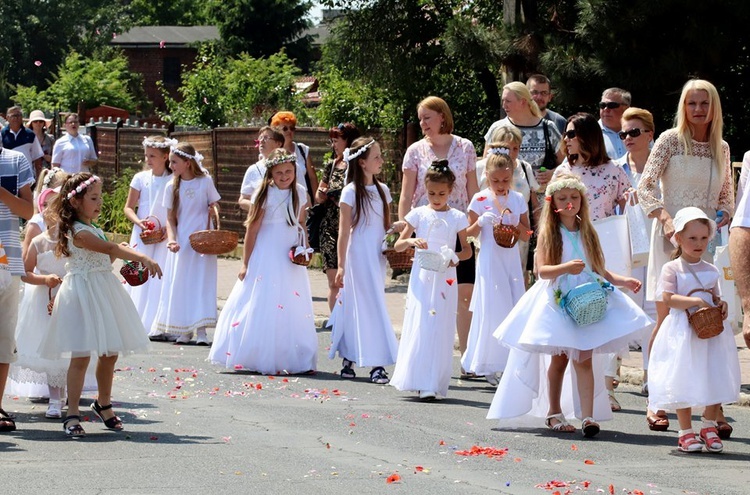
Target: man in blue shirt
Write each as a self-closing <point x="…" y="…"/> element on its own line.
<point x="614" y="102"/>
<point x="17" y="137"/>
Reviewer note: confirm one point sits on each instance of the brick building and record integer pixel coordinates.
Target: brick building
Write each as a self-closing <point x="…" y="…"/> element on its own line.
<point x="161" y="53"/>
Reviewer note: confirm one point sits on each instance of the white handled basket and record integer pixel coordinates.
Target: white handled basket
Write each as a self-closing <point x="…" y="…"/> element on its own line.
<point x="429" y="259"/>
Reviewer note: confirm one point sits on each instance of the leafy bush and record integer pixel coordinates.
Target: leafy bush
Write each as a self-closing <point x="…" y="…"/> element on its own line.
<point x="112" y="218"/>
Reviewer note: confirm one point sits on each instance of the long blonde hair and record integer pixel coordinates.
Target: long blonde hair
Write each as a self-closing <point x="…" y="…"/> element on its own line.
<point x="260" y="200"/>
<point x="550" y="243"/>
<point x="715" y="126"/>
<point x="196" y="169"/>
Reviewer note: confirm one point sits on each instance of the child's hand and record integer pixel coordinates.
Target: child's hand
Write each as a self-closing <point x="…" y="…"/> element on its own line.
<point x="243" y="272"/>
<point x="486" y="218"/>
<point x="724" y="309"/>
<point x="173" y="246"/>
<point x="702" y="303"/>
<point x="143" y="224"/>
<point x="339" y="280"/>
<point x="52" y="281"/>
<point x="418" y="242"/>
<point x="153" y="267"/>
<point x="574" y="267"/>
<point x="633" y="284"/>
<point x="398" y="226"/>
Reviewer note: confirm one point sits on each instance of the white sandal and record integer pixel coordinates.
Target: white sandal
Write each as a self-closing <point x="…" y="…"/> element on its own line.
<point x="561" y="423"/>
<point x="589" y="427"/>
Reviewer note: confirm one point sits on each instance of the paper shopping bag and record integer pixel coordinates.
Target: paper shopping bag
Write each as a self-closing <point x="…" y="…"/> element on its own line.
<point x="613" y="237"/>
<point x="640" y="240"/>
<point x="728" y="288"/>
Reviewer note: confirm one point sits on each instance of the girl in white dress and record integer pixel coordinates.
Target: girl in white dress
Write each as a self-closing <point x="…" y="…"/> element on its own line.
<point x="92" y="314"/>
<point x="684" y="370"/>
<point x="361" y="328"/>
<point x="499" y="282"/>
<point x="568" y="255"/>
<point x="48" y="179"/>
<point x="425" y="354"/>
<point x="146" y="194"/>
<point x="32" y="376"/>
<point x="267" y="323"/>
<point x="188" y="199"/>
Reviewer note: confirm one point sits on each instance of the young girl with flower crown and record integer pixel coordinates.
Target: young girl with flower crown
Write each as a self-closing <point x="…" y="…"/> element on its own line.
<point x="499" y="281"/>
<point x="92" y="313"/>
<point x="50" y="178"/>
<point x="188" y="198"/>
<point x="145" y="208"/>
<point x="686" y="371"/>
<point x="568" y="255"/>
<point x="362" y="331"/>
<point x="267" y="323"/>
<point x="425" y="354"/>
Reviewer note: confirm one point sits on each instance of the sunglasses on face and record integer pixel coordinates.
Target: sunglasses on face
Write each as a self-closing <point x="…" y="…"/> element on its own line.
<point x="288" y="128"/>
<point x="569" y="134"/>
<point x="609" y="104"/>
<point x="634" y="133"/>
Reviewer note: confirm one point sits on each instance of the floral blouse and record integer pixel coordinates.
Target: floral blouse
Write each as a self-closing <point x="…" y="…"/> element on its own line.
<point x="462" y="160"/>
<point x="686" y="180"/>
<point x="605" y="186"/>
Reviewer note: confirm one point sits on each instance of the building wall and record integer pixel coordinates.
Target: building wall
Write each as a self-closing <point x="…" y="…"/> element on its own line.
<point x="151" y="63"/>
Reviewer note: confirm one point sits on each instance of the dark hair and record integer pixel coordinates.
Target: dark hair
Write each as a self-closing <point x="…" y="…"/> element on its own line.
<point x="65" y="212"/>
<point x="347" y="131"/>
<point x="262" y="193"/>
<point x="275" y="132"/>
<point x="439" y="172"/>
<point x="539" y="79"/>
<point x="590" y="141"/>
<point x="356" y="174"/>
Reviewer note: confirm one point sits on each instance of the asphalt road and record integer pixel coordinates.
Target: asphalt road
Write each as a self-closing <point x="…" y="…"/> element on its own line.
<point x="192" y="427"/>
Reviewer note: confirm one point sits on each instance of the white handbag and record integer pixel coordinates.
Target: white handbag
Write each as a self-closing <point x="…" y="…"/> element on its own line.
<point x="640" y="240"/>
<point x="430" y="259"/>
<point x="613" y="237"/>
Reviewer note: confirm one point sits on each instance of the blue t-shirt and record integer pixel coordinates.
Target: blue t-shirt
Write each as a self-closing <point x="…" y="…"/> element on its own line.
<point x="15" y="173"/>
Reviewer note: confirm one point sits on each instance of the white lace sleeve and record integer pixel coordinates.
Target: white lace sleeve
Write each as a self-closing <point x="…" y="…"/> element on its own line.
<point x="649" y="195"/>
<point x="726" y="195"/>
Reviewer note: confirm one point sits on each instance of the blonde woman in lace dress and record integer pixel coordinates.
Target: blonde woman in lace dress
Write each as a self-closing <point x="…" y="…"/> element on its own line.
<point x="688" y="166"/>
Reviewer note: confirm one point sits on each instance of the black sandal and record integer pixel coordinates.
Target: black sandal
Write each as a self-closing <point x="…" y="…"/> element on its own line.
<point x="113" y="423"/>
<point x="379" y="376"/>
<point x="76" y="430"/>
<point x="7" y="422"/>
<point x="347" y="372"/>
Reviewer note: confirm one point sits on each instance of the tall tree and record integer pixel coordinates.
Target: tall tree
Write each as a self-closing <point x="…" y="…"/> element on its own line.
<point x="261" y="28"/>
<point x="168" y="12"/>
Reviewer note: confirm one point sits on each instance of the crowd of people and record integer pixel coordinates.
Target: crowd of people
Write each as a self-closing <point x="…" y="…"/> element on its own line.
<point x="514" y="253"/>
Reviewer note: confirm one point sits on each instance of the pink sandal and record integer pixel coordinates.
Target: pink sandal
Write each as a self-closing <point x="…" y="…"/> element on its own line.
<point x="689" y="443"/>
<point x="710" y="438"/>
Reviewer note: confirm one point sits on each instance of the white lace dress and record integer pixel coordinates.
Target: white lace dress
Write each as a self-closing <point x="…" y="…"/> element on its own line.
<point x="674" y="180"/>
<point x="93" y="314"/>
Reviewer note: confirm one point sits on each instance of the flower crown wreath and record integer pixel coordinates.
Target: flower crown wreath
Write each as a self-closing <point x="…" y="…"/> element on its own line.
<point x="558" y="185"/>
<point x="49" y="176"/>
<point x="349" y="156"/>
<point x="281" y="159"/>
<point x="167" y="143"/>
<point x="82" y="186"/>
<point x="197" y="157"/>
<point x="500" y="150"/>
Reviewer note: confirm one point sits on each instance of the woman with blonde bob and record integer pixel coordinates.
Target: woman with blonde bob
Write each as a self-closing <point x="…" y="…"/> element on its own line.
<point x="689" y="165"/>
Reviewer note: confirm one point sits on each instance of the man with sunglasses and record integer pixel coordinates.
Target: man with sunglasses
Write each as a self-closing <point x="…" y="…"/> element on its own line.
<point x="611" y="107"/>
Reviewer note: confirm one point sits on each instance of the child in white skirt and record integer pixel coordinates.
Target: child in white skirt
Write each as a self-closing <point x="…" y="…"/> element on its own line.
<point x="686" y="371"/>
<point x="145" y="208"/>
<point x="568" y="255"/>
<point x="267" y="323"/>
<point x="92" y="313"/>
<point x="362" y="332"/>
<point x="425" y="354"/>
<point x="499" y="282"/>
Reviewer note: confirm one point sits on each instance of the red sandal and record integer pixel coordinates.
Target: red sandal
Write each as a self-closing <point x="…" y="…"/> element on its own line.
<point x="711" y="440"/>
<point x="689" y="443"/>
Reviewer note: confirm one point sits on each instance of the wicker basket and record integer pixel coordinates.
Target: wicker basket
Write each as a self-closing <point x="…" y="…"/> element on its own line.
<point x="299" y="259"/>
<point x="399" y="260"/>
<point x="213" y="241"/>
<point x="134" y="273"/>
<point x="707" y="322"/>
<point x="586" y="303"/>
<point x="505" y="235"/>
<point x="155" y="235"/>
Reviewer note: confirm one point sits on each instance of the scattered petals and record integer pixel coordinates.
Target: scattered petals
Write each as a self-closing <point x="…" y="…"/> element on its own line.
<point x="589" y="462"/>
<point x="205" y="100"/>
<point x="394" y="478"/>
<point x="418" y="469"/>
<point x="280" y="306"/>
<point x="162" y="43"/>
<point x="226" y="439"/>
<point x="442" y="442"/>
<point x="38" y="63"/>
<point x="154" y="438"/>
<point x="236" y="323"/>
<point x="450" y="281"/>
<point x="611" y="489"/>
<point x="238" y="366"/>
<point x="491" y="452"/>
<point x="481" y="198"/>
<point x="574" y="447"/>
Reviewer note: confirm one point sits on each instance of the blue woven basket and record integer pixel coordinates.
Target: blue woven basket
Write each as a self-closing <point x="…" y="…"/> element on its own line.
<point x="586" y="303"/>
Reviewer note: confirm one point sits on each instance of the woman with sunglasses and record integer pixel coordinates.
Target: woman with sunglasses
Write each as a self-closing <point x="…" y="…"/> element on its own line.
<point x="689" y="165"/>
<point x="73" y="152"/>
<point x="328" y="193"/>
<point x="38" y="124"/>
<point x="306" y="176"/>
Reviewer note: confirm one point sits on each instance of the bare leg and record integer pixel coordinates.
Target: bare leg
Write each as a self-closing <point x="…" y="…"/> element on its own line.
<point x="4" y="367"/>
<point x="684" y="417"/>
<point x="333" y="290"/>
<point x="105" y="375"/>
<point x="76" y="376"/>
<point x="739" y="254"/>
<point x="463" y="318"/>
<point x="585" y="379"/>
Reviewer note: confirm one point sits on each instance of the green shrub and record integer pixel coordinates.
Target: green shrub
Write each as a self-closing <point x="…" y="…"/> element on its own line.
<point x="112" y="218"/>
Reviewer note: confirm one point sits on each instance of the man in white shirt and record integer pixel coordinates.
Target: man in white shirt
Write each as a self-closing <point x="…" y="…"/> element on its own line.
<point x="17" y="137"/>
<point x="614" y="102"/>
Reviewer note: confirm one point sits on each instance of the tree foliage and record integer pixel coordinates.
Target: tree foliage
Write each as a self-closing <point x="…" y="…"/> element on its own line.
<point x="93" y="81"/>
<point x="220" y="90"/>
<point x="261" y="28"/>
<point x="168" y="13"/>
